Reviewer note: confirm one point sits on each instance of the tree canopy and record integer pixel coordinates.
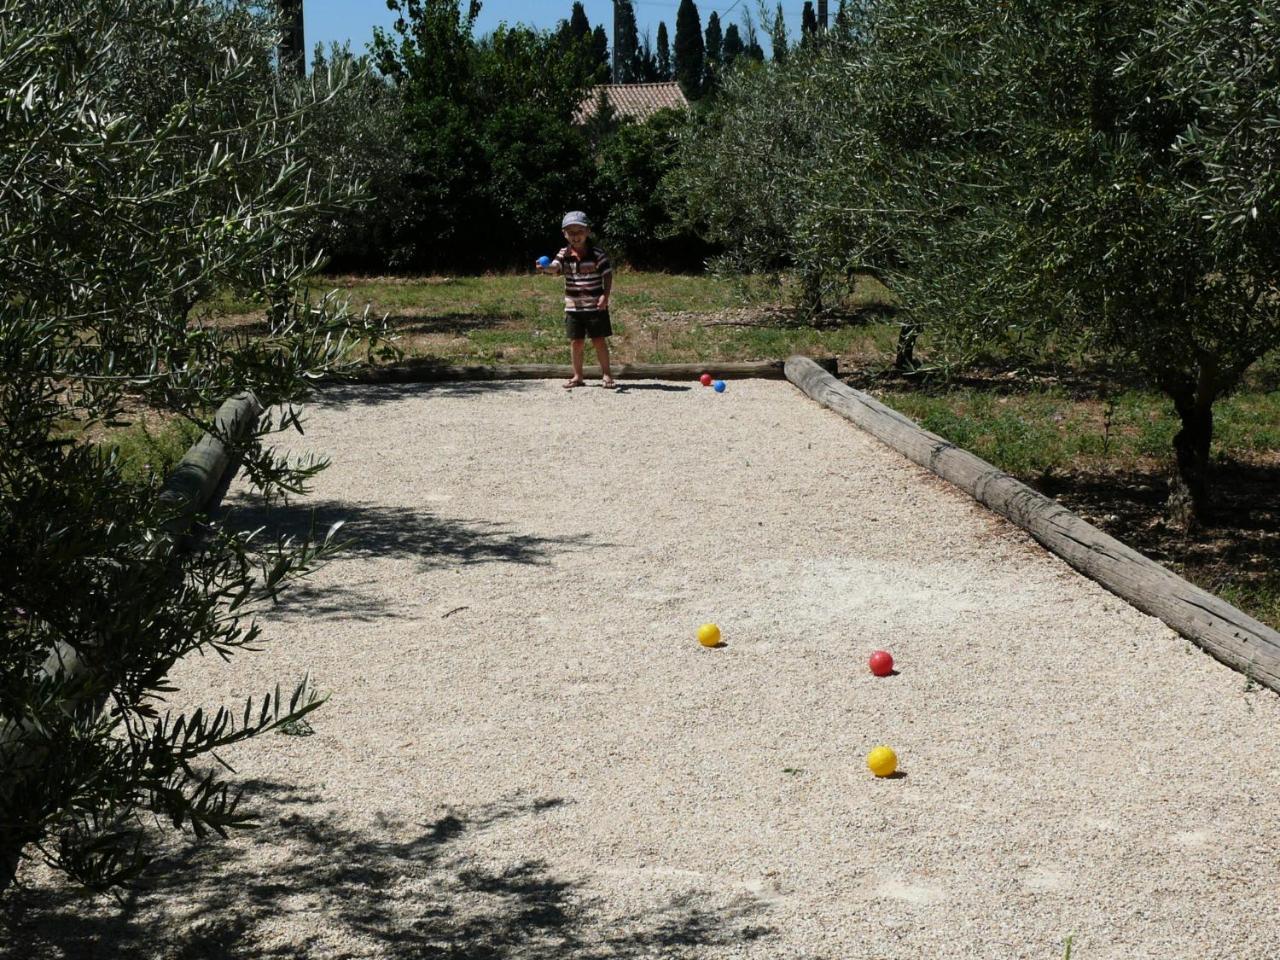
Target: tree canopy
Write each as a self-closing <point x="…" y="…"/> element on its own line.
<point x="494" y="152"/>
<point x="1102" y="177"/>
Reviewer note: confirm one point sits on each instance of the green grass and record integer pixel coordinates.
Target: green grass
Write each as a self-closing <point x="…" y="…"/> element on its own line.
<point x="1032" y="433"/>
<point x="149" y="454"/>
<point x="1259" y="596"/>
<point x="1248" y="421"/>
<point x="1024" y="435"/>
<point x="657" y="317"/>
<point x="528" y="296"/>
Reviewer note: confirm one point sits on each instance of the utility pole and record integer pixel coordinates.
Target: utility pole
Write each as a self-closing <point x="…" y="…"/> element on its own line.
<point x="292" y="49"/>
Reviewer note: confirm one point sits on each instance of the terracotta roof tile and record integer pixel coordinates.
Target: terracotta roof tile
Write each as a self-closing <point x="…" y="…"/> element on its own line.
<point x="638" y="100"/>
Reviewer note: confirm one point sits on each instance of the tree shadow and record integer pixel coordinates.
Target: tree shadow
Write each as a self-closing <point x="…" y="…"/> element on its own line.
<point x="1005" y="377"/>
<point x="308" y="884"/>
<point x="1237" y="545"/>
<point x="626" y="387"/>
<point x="453" y="323"/>
<point x="337" y="601"/>
<point x="401" y="321"/>
<point x="784" y="317"/>
<point x="389" y="531"/>
<point x="340" y="394"/>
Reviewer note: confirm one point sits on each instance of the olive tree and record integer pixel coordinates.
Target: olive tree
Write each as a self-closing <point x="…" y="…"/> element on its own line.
<point x="148" y="160"/>
<point x="358" y="132"/>
<point x="735" y="178"/>
<point x="1103" y="175"/>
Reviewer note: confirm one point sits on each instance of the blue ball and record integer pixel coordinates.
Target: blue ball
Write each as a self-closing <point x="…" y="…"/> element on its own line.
<point x="544" y="261"/>
<point x="719" y="385"/>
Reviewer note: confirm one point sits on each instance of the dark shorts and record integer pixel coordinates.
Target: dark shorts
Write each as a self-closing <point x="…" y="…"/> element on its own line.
<point x="580" y="324"/>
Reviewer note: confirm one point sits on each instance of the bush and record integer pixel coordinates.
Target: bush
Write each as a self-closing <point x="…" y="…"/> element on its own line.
<point x="152" y="159"/>
<point x="494" y="156"/>
<point x="357" y="134"/>
<point x="635" y="222"/>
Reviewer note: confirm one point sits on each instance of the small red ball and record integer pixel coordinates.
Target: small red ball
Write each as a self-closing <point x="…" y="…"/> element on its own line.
<point x="881" y="663"/>
<point x="705" y="379"/>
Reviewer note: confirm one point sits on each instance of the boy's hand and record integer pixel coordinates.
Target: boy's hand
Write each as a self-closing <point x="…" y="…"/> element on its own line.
<point x="603" y="302"/>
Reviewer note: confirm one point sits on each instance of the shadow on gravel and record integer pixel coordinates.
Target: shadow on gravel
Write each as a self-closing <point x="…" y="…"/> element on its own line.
<point x="339" y="601"/>
<point x="384" y="531"/>
<point x="625" y="387"/>
<point x="351" y="394"/>
<point x="308" y="885"/>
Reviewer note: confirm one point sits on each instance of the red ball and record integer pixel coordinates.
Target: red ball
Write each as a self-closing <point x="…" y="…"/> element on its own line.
<point x="705" y="379"/>
<point x="881" y="663"/>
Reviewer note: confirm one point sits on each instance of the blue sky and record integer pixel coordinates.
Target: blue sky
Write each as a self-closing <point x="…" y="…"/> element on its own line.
<point x="354" y="20"/>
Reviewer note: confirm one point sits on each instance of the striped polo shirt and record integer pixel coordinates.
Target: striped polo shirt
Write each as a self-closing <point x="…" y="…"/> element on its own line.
<point x="583" y="277"/>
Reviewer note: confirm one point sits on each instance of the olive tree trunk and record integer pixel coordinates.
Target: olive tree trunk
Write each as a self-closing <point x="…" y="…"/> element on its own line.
<point x="905" y="357"/>
<point x="1188" y="504"/>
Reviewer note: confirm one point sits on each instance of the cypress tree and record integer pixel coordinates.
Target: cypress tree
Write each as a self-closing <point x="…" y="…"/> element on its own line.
<point x="647" y="61"/>
<point x="579" y="25"/>
<point x="627" y="56"/>
<point x="664" y="52"/>
<point x="808" y="23"/>
<point x="574" y="34"/>
<point x="752" y="42"/>
<point x="731" y="48"/>
<point x="778" y="35"/>
<point x="844" y="17"/>
<point x="713" y="50"/>
<point x="689" y="49"/>
<point x="292" y="51"/>
<point x="600" y="50"/>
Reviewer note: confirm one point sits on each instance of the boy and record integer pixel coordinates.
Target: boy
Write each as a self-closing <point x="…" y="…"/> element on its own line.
<point x="588" y="278"/>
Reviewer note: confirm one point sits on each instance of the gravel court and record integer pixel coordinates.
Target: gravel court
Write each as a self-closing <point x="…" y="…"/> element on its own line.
<point x="527" y="754"/>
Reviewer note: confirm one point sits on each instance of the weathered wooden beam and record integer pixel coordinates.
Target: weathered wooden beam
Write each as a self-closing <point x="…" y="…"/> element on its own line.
<point x="1228" y="634"/>
<point x="429" y="370"/>
<point x="193" y="486"/>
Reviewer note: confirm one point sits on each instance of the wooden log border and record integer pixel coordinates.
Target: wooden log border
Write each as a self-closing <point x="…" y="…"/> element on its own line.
<point x="430" y="370"/>
<point x="1228" y="634"/>
<point x="195" y="486"/>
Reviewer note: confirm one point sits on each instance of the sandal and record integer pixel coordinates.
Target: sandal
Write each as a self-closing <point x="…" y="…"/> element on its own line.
<point x="608" y="382"/>
<point x="574" y="382"/>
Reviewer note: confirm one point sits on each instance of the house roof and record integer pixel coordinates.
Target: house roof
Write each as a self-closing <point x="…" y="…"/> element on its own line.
<point x="637" y="100"/>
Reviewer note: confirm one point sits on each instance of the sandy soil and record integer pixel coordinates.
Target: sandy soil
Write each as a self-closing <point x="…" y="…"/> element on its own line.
<point x="527" y="754"/>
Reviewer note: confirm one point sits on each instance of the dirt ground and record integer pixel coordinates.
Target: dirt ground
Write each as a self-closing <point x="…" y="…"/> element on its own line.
<point x="526" y="753"/>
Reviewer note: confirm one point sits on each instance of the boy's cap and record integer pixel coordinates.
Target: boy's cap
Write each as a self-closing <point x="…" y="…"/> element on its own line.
<point x="574" y="218"/>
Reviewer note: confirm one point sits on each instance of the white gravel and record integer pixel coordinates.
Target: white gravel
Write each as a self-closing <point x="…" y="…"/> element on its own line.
<point x="527" y="754"/>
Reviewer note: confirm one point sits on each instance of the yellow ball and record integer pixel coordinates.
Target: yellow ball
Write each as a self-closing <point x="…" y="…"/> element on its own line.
<point x="882" y="761"/>
<point x="709" y="635"/>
